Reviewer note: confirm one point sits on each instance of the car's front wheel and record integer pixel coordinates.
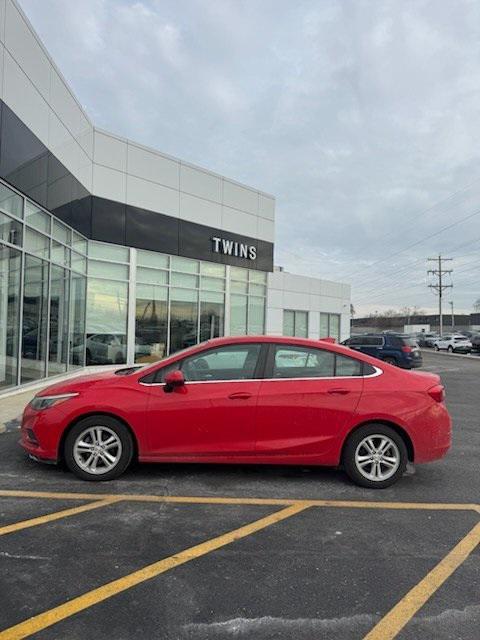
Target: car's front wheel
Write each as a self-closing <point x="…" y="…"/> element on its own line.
<point x="375" y="456"/>
<point x="98" y="448"/>
<point x="436" y="347"/>
<point x="450" y="349"/>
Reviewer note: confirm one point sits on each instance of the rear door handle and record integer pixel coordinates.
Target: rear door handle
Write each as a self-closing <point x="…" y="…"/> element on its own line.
<point x="339" y="392"/>
<point x="240" y="395"/>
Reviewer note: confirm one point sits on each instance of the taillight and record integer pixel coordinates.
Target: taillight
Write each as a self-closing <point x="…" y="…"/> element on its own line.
<point x="407" y="349"/>
<point x="437" y="393"/>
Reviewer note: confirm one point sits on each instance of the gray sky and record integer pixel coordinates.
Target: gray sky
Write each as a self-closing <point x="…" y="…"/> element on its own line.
<point x="361" y="117"/>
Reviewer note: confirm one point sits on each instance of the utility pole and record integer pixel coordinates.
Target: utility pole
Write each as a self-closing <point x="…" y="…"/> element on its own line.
<point x="439" y="287"/>
<point x="453" y="315"/>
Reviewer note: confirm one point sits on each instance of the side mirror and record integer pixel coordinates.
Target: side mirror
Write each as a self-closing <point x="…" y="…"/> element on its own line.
<point x="173" y="380"/>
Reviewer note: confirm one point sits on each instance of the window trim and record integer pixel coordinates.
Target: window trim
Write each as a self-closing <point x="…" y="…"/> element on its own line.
<point x="258" y="373"/>
<point x="272" y="346"/>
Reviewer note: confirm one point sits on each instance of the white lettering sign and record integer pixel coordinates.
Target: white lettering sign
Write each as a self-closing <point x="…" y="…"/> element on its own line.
<point x="233" y="248"/>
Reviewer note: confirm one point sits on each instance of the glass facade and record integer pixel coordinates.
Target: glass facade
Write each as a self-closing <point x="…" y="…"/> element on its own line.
<point x="295" y="323"/>
<point x="42" y="292"/>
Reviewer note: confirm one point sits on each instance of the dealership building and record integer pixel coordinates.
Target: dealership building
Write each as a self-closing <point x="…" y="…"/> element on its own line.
<point x="112" y="252"/>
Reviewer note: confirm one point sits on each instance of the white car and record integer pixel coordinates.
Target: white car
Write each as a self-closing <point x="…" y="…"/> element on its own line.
<point x="453" y="342"/>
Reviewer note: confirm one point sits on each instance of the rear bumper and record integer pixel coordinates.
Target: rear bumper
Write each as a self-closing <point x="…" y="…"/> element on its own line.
<point x="434" y="439"/>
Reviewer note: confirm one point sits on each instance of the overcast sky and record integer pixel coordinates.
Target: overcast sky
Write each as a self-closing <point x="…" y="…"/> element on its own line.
<point x="361" y="117"/>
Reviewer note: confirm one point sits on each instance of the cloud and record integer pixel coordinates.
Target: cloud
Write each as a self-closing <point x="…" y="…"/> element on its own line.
<point x="358" y="116"/>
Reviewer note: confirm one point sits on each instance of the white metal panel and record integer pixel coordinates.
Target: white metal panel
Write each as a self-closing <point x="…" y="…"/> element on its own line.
<point x="266" y="207"/>
<point x="66" y="107"/>
<point x="109" y="183"/>
<point x="153" y="166"/>
<point x="23" y="98"/>
<point x="239" y="222"/>
<point x="265" y="230"/>
<point x="26" y="50"/>
<point x="240" y="197"/>
<point x="200" y="183"/>
<point x="152" y="196"/>
<point x="109" y="151"/>
<point x="200" y="211"/>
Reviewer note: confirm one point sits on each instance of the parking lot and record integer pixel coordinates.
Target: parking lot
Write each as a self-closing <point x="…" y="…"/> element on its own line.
<point x="196" y="552"/>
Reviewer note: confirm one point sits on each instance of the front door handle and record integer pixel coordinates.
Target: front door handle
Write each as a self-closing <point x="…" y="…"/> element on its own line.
<point x="240" y="395"/>
<point x="339" y="392"/>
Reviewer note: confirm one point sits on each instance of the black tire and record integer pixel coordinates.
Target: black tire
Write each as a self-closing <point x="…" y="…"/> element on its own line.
<point x="349" y="457"/>
<point x="390" y="360"/>
<point x="112" y="425"/>
<point x="450" y="349"/>
<point x="436" y="348"/>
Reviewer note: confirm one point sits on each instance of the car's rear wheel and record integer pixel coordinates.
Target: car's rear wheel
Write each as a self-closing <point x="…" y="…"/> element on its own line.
<point x="98" y="448"/>
<point x="390" y="360"/>
<point x="436" y="347"/>
<point x="450" y="349"/>
<point x="375" y="456"/>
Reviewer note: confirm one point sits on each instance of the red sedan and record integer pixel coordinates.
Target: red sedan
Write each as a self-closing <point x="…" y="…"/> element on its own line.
<point x="247" y="400"/>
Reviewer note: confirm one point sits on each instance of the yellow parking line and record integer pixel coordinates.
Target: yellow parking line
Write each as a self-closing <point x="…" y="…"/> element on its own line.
<point x="354" y="504"/>
<point x="390" y="625"/>
<point x="239" y="500"/>
<point x="57" y="515"/>
<point x="52" y="616"/>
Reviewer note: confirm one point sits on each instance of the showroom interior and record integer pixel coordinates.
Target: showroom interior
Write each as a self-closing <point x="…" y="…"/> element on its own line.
<point x="115" y="253"/>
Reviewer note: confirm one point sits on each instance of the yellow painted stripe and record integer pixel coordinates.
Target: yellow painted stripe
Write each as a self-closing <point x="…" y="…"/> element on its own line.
<point x="57" y="515"/>
<point x="399" y="616"/>
<point x="48" y="618"/>
<point x="354" y="504"/>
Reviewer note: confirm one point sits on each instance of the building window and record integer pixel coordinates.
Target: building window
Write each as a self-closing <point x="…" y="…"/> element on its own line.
<point x="151" y="323"/>
<point x="330" y="325"/>
<point x="106" y="322"/>
<point x="248" y="290"/>
<point x="35" y="319"/>
<point x="295" y="323"/>
<point x="10" y="261"/>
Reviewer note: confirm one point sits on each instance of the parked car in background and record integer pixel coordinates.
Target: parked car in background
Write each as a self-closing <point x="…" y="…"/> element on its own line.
<point x="395" y="348"/>
<point x="475" y="340"/>
<point x="453" y="342"/>
<point x="284" y="400"/>
<point x="427" y="340"/>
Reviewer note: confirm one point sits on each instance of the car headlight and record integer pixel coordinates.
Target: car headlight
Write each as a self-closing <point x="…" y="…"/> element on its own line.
<point x="45" y="402"/>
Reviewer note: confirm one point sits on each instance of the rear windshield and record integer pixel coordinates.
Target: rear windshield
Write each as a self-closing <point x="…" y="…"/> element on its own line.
<point x="410" y="342"/>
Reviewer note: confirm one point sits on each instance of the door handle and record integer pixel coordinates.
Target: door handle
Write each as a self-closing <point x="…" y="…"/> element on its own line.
<point x="240" y="395"/>
<point x="339" y="392"/>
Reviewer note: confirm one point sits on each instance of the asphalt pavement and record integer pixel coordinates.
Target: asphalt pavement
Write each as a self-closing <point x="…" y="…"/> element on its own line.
<point x="250" y="552"/>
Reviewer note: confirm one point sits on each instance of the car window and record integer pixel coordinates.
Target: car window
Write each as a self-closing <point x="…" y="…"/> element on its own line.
<point x="233" y="362"/>
<point x="354" y="341"/>
<point x="300" y="362"/>
<point x="347" y="366"/>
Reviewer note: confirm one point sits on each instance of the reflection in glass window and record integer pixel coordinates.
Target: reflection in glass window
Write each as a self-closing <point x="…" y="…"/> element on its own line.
<point x="59" y="303"/>
<point x="37" y="243"/>
<point x="10" y="264"/>
<point x="184" y="280"/>
<point x="238" y="315"/>
<point x="10" y="230"/>
<point x="348" y="366"/>
<point x="299" y="362"/>
<point x="152" y="276"/>
<point x="330" y="325"/>
<point x="151" y="321"/>
<point x="34" y="329"/>
<point x="236" y="362"/>
<point x="106" y="325"/>
<point x="60" y="253"/>
<point x="10" y="202"/>
<point x="211" y="269"/>
<point x="107" y="269"/>
<point x="105" y="251"/>
<point x="256" y="315"/>
<point x="35" y="217"/>
<point x="152" y="259"/>
<point x="183" y="319"/>
<point x="60" y="232"/>
<point x="184" y="264"/>
<point x="295" y="323"/>
<point x="212" y="314"/>
<point x="77" y="320"/>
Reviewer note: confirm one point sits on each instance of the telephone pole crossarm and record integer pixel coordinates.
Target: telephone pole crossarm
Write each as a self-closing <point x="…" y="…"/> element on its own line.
<point x="439" y="287"/>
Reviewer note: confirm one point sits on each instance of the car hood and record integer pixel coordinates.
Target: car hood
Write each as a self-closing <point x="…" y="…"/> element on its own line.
<point x="80" y="383"/>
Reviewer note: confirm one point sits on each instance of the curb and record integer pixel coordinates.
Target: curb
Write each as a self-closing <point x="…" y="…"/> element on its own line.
<point x="451" y="355"/>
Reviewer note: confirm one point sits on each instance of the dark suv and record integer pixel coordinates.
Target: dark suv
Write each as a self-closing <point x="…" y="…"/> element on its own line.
<point x="394" y="348"/>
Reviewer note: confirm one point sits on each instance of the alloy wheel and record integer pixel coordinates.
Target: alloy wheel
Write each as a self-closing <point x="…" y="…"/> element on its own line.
<point x="377" y="457"/>
<point x="97" y="450"/>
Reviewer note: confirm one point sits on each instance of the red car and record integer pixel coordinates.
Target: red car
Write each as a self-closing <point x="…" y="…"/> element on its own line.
<point x="264" y="399"/>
